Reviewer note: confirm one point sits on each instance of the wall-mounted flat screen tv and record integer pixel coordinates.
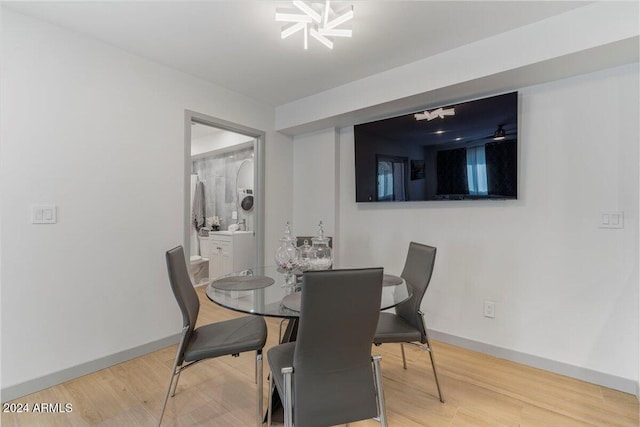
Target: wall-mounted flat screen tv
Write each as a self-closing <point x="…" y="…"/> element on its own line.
<point x="465" y="151"/>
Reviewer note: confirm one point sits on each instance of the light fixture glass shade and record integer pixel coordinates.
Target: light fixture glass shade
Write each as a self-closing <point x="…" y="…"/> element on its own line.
<point x="291" y="17"/>
<point x="321" y="38"/>
<point x="335" y="33"/>
<point x="340" y="19"/>
<point x="304" y="7"/>
<point x="291" y="29"/>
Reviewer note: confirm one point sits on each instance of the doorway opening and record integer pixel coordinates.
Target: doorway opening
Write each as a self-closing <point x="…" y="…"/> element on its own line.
<point x="224" y="196"/>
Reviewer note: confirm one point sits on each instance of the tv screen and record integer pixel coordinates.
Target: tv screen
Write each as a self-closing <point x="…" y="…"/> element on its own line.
<point x="465" y="151"/>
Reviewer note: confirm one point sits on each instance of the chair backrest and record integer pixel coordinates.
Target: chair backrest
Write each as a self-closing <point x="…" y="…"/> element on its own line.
<point x="417" y="272"/>
<point x="333" y="378"/>
<point x="184" y="292"/>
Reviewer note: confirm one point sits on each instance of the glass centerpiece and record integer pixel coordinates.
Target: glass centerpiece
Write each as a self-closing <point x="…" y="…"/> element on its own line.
<point x="304" y="251"/>
<point x="320" y="255"/>
<point x="287" y="257"/>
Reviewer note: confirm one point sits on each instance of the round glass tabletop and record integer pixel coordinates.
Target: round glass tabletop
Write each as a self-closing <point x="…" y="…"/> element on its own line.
<point x="250" y="291"/>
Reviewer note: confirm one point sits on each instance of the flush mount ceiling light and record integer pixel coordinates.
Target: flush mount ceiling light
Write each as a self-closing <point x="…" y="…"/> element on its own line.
<point x="499" y="134"/>
<point x="316" y="19"/>
<point x="430" y="115"/>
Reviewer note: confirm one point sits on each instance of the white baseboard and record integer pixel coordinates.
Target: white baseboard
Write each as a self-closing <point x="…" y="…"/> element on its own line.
<point x="584" y="374"/>
<point x="37" y="384"/>
<point x="605" y="380"/>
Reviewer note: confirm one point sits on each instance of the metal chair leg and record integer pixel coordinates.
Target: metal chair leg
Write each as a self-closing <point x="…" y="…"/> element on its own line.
<point x="430" y="350"/>
<point x="173" y="374"/>
<point x="259" y="387"/>
<point x="433" y="365"/>
<point x="175" y="384"/>
<point x="280" y="330"/>
<point x="404" y="360"/>
<point x="377" y="375"/>
<point x="166" y="396"/>
<point x="255" y="371"/>
<point x="269" y="399"/>
<point x="287" y="398"/>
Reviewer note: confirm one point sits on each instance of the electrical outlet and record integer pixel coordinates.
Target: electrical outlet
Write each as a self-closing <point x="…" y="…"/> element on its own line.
<point x="611" y="220"/>
<point x="489" y="309"/>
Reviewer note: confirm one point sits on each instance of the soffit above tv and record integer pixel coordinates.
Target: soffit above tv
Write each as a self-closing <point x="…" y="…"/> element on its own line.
<point x="618" y="53"/>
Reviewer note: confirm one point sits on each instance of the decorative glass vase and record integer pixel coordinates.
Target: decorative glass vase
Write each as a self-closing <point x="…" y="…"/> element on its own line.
<point x="290" y="283"/>
<point x="304" y="251"/>
<point x="320" y="255"/>
<point x="287" y="257"/>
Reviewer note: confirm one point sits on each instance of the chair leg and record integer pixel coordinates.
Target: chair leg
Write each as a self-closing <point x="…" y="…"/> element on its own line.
<point x="175" y="384"/>
<point x="280" y="330"/>
<point x="433" y="365"/>
<point x="404" y="360"/>
<point x="269" y="399"/>
<point x="259" y="387"/>
<point x="377" y="375"/>
<point x="166" y="396"/>
<point x="430" y="350"/>
<point x="255" y="373"/>
<point x="287" y="398"/>
<point x="173" y="374"/>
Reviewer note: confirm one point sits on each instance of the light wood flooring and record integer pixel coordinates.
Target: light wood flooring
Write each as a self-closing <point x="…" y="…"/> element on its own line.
<point x="479" y="390"/>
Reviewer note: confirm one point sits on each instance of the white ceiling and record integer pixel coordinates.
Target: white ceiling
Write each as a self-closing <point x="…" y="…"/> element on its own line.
<point x="237" y="45"/>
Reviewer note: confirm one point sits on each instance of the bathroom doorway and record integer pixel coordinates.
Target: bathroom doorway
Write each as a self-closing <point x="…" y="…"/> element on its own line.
<point x="224" y="188"/>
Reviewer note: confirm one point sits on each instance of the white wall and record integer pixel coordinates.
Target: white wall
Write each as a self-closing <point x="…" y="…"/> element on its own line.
<point x="565" y="290"/>
<point x="314" y="183"/>
<point x="99" y="133"/>
<point x="217" y="141"/>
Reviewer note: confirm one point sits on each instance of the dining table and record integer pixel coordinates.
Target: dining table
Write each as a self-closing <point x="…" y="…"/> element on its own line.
<point x="271" y="291"/>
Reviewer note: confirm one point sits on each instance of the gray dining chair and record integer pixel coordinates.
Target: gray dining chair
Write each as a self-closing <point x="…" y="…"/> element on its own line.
<point x="407" y="325"/>
<point x="300" y="241"/>
<point x="328" y="376"/>
<point x="230" y="337"/>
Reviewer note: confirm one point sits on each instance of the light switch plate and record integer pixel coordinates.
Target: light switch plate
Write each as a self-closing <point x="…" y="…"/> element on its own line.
<point x="44" y="214"/>
<point x="611" y="220"/>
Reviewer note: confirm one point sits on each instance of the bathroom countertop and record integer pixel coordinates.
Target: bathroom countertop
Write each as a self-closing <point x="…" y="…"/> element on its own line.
<point x="226" y="233"/>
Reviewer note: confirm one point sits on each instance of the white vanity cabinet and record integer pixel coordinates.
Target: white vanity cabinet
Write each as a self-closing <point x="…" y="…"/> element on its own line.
<point x="228" y="251"/>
